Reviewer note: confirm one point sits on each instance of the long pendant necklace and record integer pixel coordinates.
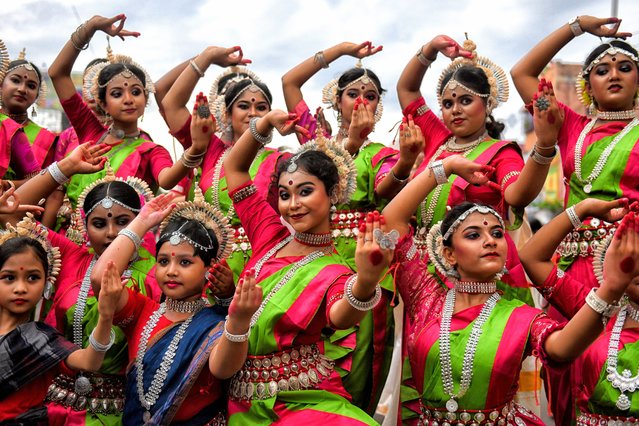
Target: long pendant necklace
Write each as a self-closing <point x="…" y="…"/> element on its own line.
<point x="215" y="184"/>
<point x="625" y="382"/>
<point x="148" y="399"/>
<point x="469" y="352"/>
<point x="603" y="158"/>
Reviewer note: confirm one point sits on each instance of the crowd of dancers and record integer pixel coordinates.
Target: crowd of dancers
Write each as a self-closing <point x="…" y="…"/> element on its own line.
<point x="247" y="285"/>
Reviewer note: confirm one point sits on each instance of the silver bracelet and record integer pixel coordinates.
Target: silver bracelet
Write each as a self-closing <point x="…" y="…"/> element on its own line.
<point x="235" y="338"/>
<point x="197" y="69"/>
<point x="191" y="161"/>
<point x="360" y="305"/>
<point x="575" y="26"/>
<point x="259" y="138"/>
<point x="225" y="302"/>
<point x="600" y="306"/>
<point x="398" y="180"/>
<point x="57" y="174"/>
<point x="422" y="58"/>
<point x="542" y="159"/>
<point x="99" y="347"/>
<point x="135" y="238"/>
<point x="438" y="170"/>
<point x="319" y="59"/>
<point x="573" y="217"/>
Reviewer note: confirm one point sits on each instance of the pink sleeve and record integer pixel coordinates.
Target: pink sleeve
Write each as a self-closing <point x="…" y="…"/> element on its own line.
<point x="131" y="312"/>
<point x="86" y="124"/>
<point x="306" y="120"/>
<point x="564" y="292"/>
<point x="509" y="164"/>
<point x="570" y="129"/>
<point x="184" y="134"/>
<point x="387" y="165"/>
<point x="23" y="161"/>
<point x="65" y="246"/>
<point x="260" y="222"/>
<point x="435" y="132"/>
<point x="541" y="328"/>
<point x="334" y="293"/>
<point x="159" y="159"/>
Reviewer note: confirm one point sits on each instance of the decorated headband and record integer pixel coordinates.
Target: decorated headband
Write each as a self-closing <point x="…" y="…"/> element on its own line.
<point x="89" y="75"/>
<point x="124" y="60"/>
<point x="29" y="228"/>
<point x="329" y="92"/>
<point x="342" y="159"/>
<point x="208" y="217"/>
<point x="43" y="89"/>
<point x="435" y="240"/>
<point x="79" y="217"/>
<point x="497" y="79"/>
<point x="580" y="83"/>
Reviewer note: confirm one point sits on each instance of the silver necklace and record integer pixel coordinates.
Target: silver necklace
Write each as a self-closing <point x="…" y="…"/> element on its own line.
<point x="149" y="398"/>
<point x="184" y="307"/>
<point x="603" y="158"/>
<point x="625" y="382"/>
<point x="475" y="287"/>
<point x="633" y="313"/>
<point x="314" y="240"/>
<point x="215" y="184"/>
<point x="617" y="115"/>
<point x="451" y="144"/>
<point x="289" y="274"/>
<point x="469" y="352"/>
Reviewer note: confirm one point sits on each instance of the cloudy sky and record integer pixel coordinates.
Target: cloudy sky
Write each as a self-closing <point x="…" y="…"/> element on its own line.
<point x="277" y="35"/>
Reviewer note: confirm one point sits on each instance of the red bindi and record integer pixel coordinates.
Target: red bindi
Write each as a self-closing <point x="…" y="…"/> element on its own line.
<point x="290" y="182"/>
<point x="252" y="99"/>
<point x="173" y="254"/>
<point x="21" y="268"/>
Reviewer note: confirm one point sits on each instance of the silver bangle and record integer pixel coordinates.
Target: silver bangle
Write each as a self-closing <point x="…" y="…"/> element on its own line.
<point x="235" y="338"/>
<point x="99" y="347"/>
<point x="319" y="59"/>
<point x="360" y="305"/>
<point x="225" y="302"/>
<point x="259" y="138"/>
<point x="135" y="238"/>
<point x="197" y="69"/>
<point x="191" y="161"/>
<point x="438" y="170"/>
<point x="56" y="173"/>
<point x="398" y="180"/>
<point x="600" y="306"/>
<point x="422" y="58"/>
<point x="575" y="26"/>
<point x="573" y="217"/>
<point x="542" y="159"/>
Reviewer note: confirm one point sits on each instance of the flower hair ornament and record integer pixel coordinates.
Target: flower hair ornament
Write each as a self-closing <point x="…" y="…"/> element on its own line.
<point x="342" y="159"/>
<point x="206" y="216"/>
<point x="580" y="82"/>
<point x="29" y="228"/>
<point x="126" y="61"/>
<point x="329" y="92"/>
<point x="77" y="230"/>
<point x="4" y="61"/>
<point x="497" y="79"/>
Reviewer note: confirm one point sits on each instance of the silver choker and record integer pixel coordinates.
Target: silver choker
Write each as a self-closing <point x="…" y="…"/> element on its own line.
<point x="184" y="307"/>
<point x="452" y="145"/>
<point x="314" y="240"/>
<point x="617" y="115"/>
<point x="475" y="287"/>
<point x="119" y="133"/>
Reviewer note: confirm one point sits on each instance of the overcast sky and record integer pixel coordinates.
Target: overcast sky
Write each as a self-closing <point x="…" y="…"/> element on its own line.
<point x="277" y="35"/>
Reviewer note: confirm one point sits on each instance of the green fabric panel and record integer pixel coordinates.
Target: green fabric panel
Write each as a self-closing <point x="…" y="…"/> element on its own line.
<point x="32" y="130"/>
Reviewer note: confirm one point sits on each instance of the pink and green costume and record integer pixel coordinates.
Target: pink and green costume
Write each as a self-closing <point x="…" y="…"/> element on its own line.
<point x="212" y="182"/>
<point x="16" y="156"/>
<point x="287" y="379"/>
<point x="513" y="331"/>
<point x="104" y="404"/>
<point x="43" y="143"/>
<point x="363" y="353"/>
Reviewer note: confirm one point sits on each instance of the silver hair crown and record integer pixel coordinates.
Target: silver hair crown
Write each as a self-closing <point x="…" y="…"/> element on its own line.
<point x="462" y="217"/>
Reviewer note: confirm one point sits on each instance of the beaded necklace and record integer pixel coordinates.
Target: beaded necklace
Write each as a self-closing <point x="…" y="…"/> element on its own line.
<point x="475" y="287"/>
<point x="603" y="158"/>
<point x="314" y="240"/>
<point x="616" y="115"/>
<point x="149" y="398"/>
<point x="625" y="382"/>
<point x="469" y="352"/>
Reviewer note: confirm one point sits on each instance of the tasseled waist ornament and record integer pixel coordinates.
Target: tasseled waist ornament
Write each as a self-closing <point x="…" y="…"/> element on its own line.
<point x="585" y="240"/>
<point x="345" y="223"/>
<point x="505" y="415"/>
<point x="263" y="376"/>
<point x="105" y="395"/>
<point x="588" y="419"/>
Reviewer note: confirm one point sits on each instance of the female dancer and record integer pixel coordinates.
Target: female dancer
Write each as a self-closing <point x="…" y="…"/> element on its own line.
<point x="122" y="89"/>
<point x="595" y="151"/>
<point x="176" y="347"/>
<point x="492" y="333"/>
<point x="107" y="206"/>
<point x="606" y="391"/>
<point x="31" y="352"/>
<point x="17" y="161"/>
<point x="236" y="96"/>
<point x="381" y="173"/>
<point x="287" y="378"/>
<point x="469" y="89"/>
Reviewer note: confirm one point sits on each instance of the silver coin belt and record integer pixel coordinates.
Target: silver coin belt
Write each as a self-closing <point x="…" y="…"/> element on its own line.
<point x="262" y="377"/>
<point x="442" y="417"/>
<point x="585" y="240"/>
<point x="107" y="395"/>
<point x="241" y="241"/>
<point x="345" y="223"/>
<point x="587" y="419"/>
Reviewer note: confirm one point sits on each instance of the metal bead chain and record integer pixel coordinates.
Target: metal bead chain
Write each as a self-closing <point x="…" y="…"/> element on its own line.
<point x="81" y="304"/>
<point x="471" y="345"/>
<point x="157" y="384"/>
<point x="603" y="158"/>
